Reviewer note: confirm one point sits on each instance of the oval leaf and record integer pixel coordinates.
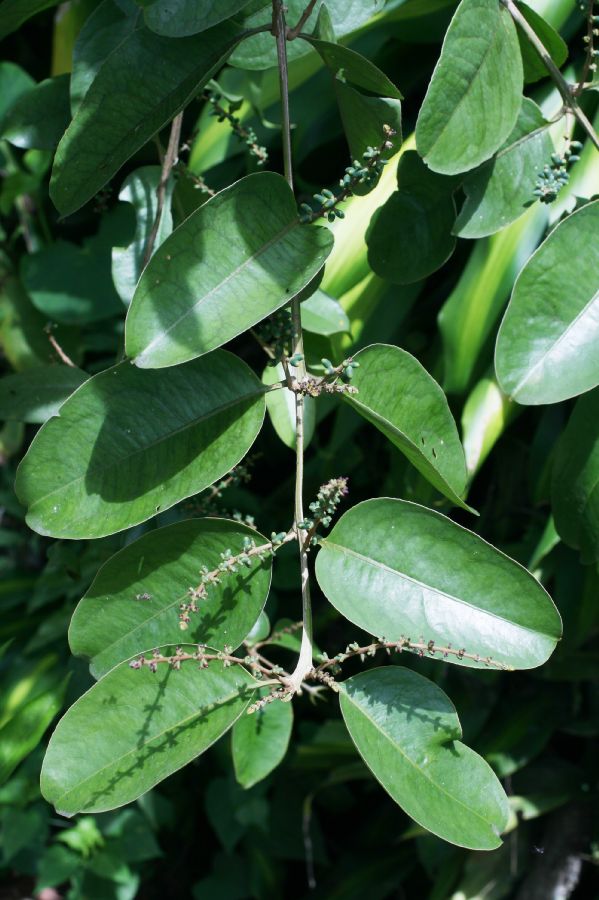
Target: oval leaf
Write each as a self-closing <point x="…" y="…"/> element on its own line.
<point x="39" y="117"/>
<point x="407" y="731"/>
<point x="399" y="397"/>
<point x="134" y="728"/>
<point x="259" y="742"/>
<point x="501" y="190"/>
<point x="133" y="602"/>
<point x="574" y="495"/>
<point x="534" y="67"/>
<point x="38" y="394"/>
<point x="129" y="444"/>
<point x="410" y="236"/>
<point x="234" y="261"/>
<point x="403" y="571"/>
<point x="475" y="94"/>
<point x="178" y="18"/>
<point x="547" y="344"/>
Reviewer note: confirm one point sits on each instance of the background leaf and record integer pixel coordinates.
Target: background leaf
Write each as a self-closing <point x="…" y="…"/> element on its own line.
<point x="133" y="603"/>
<point x="130" y="444"/>
<point x="398" y="570"/>
<point x="259" y="741"/>
<point x="534" y="68"/>
<point x="546" y="346"/>
<point x="407" y="732"/>
<point x="473" y="99"/>
<point x="37" y="394"/>
<point x="398" y="396"/>
<point x="238" y="258"/>
<point x="410" y="236"/>
<point x="280" y="406"/>
<point x="14" y="12"/>
<point x="39" y="117"/>
<point x="152" y="724"/>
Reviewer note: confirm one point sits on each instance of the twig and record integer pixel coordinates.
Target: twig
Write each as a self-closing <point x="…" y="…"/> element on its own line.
<point x="304" y="662"/>
<point x="59" y="351"/>
<point x="567" y="94"/>
<point x="170" y="158"/>
<point x="292" y="33"/>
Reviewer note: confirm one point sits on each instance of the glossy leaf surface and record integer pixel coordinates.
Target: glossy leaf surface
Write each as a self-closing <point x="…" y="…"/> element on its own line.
<point x="322" y="314"/>
<point x="119" y="114"/>
<point x="152" y="724"/>
<point x="179" y="18"/>
<point x="475" y="94"/>
<point x="234" y="261"/>
<point x="574" y="495"/>
<point x="37" y="394"/>
<point x="398" y="396"/>
<point x="547" y="344"/>
<point x="129" y="444"/>
<point x="397" y="570"/>
<point x="259" y="742"/>
<point x="408" y="733"/>
<point x="501" y="190"/>
<point x="410" y="235"/>
<point x="133" y="603"/>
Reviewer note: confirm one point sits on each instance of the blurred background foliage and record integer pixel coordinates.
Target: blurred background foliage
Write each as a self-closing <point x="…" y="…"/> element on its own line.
<point x="319" y="825"/>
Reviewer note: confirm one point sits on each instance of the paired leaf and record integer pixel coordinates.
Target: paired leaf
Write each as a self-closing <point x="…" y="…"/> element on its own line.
<point x="400" y="570"/>
<point x="574" y="495"/>
<point x="39" y="117"/>
<point x="133" y="603"/>
<point x="407" y="731"/>
<point x="179" y="18"/>
<point x="37" y="394"/>
<point x="399" y="397"/>
<point x="139" y="190"/>
<point x="547" y="343"/>
<point x="259" y="741"/>
<point x="130" y="444"/>
<point x="475" y="94"/>
<point x="119" y="114"/>
<point x="238" y="258"/>
<point x="134" y="728"/>
<point x="501" y="190"/>
<point x="410" y="236"/>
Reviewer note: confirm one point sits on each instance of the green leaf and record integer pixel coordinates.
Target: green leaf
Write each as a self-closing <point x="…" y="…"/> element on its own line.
<point x="259" y="51"/>
<point x="119" y="114"/>
<point x="39" y="117"/>
<point x="408" y="733"/>
<point x="37" y="394"/>
<point x="134" y="728"/>
<point x="15" y="83"/>
<point x="71" y="283"/>
<point x="238" y="258"/>
<point x="14" y="12"/>
<point x="179" y="18"/>
<point x="501" y="190"/>
<point x="400" y="570"/>
<point x="25" y="729"/>
<point x="139" y="190"/>
<point x="133" y="603"/>
<point x="574" y="495"/>
<point x="259" y="741"/>
<point x="350" y="67"/>
<point x="399" y="397"/>
<point x="547" y="342"/>
<point x="280" y="406"/>
<point x="475" y="94"/>
<point x="534" y="68"/>
<point x="410" y="237"/>
<point x="322" y="314"/>
<point x="130" y="444"/>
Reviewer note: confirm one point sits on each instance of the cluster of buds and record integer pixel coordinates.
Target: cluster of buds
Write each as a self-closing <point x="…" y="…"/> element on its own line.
<point x="279" y="694"/>
<point x="324" y="507"/>
<point x="245" y="134"/>
<point x="276" y="333"/>
<point x="555" y="175"/>
<point x="230" y="564"/>
<point x="314" y="387"/>
<point x="586" y="6"/>
<point x="345" y="370"/>
<point x="358" y="174"/>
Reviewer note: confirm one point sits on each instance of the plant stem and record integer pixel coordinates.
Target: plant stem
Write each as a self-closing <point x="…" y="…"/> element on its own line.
<point x="170" y="158"/>
<point x="568" y="96"/>
<point x="304" y="662"/>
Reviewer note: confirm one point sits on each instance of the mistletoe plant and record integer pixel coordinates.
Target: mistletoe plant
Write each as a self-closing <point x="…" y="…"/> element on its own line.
<point x="173" y="624"/>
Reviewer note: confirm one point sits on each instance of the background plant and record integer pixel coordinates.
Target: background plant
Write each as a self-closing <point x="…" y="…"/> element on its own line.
<point x="145" y="457"/>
